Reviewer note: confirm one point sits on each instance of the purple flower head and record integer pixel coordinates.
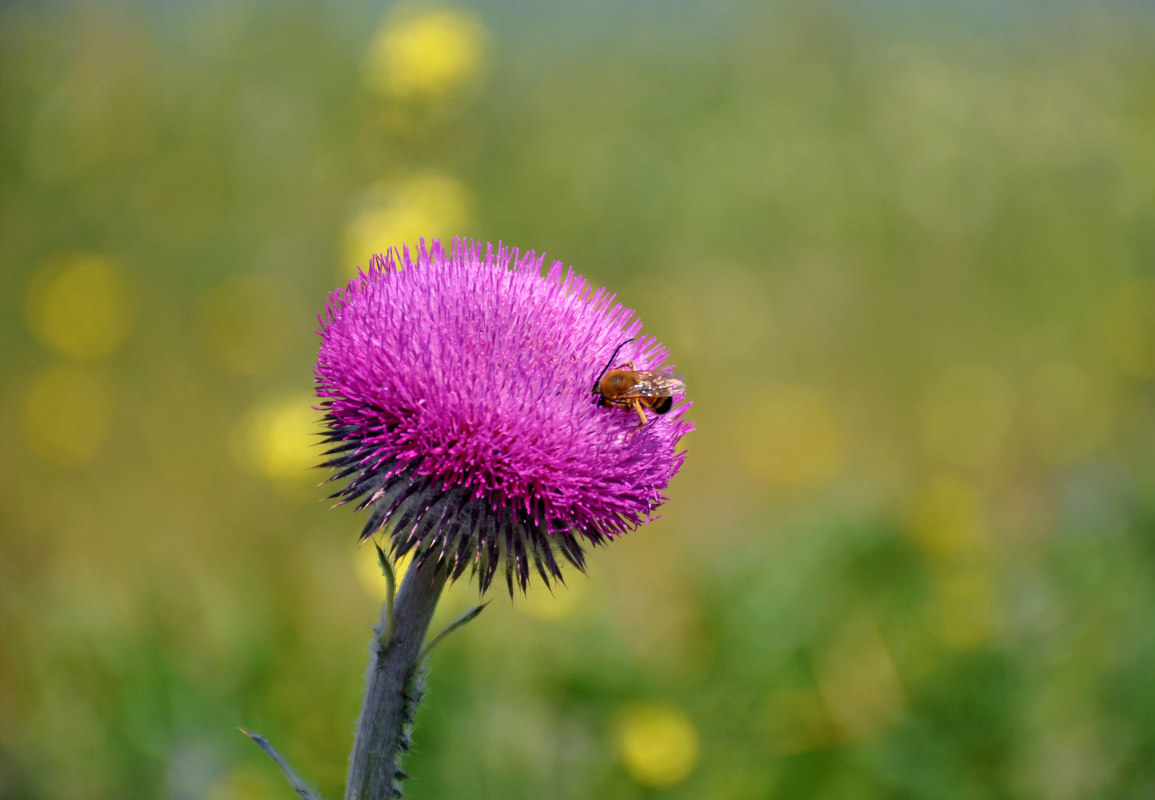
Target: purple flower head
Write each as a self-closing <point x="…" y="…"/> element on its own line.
<point x="459" y="395"/>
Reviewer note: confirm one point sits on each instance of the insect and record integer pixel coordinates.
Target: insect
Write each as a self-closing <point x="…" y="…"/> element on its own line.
<point x="626" y="386"/>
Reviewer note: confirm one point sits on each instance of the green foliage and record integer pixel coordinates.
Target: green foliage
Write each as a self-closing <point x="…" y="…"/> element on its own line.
<point x="905" y="262"/>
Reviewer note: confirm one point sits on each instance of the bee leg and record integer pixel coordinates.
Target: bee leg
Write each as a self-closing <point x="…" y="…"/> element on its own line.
<point x="641" y="414"/>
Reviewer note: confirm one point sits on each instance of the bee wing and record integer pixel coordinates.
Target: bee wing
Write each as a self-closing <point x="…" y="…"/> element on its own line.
<point x="656" y="383"/>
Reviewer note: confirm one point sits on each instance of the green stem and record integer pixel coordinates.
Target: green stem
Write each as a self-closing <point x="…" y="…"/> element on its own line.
<point x="393" y="687"/>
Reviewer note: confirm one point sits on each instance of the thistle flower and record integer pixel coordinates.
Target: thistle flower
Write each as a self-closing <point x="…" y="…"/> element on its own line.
<point x="458" y="395"/>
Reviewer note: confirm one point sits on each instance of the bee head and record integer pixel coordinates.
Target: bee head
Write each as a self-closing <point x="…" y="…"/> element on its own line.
<point x="598" y="379"/>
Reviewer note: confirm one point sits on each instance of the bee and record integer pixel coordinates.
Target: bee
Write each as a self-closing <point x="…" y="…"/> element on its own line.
<point x="625" y="386"/>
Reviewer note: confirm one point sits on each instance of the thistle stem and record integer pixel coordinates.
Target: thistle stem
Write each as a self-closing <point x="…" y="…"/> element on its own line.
<point x="393" y="688"/>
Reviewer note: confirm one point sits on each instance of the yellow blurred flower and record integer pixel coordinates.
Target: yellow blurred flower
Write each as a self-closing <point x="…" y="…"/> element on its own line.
<point x="68" y="414"/>
<point x="946" y="517"/>
<point x="426" y="54"/>
<point x="964" y="606"/>
<point x="541" y="603"/>
<point x="79" y="305"/>
<point x="657" y="743"/>
<point x="791" y="439"/>
<point x="426" y="205"/>
<point x="274" y="439"/>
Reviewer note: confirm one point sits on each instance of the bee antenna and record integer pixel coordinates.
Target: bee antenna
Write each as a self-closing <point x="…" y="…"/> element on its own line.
<point x="598" y="379"/>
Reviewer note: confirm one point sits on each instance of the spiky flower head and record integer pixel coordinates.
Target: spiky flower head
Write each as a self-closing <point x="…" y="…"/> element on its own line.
<point x="458" y="393"/>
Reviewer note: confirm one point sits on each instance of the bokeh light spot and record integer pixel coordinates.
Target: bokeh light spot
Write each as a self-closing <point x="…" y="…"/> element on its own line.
<point x="275" y="439"/>
<point x="426" y="55"/>
<point x="540" y="603"/>
<point x="963" y="607"/>
<point x="426" y="205"/>
<point x="946" y="517"/>
<point x="791" y="439"/>
<point x="657" y="743"/>
<point x="79" y="305"/>
<point x="68" y="414"/>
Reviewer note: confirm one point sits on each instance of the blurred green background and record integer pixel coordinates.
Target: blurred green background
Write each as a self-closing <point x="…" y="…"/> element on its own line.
<point x="905" y="253"/>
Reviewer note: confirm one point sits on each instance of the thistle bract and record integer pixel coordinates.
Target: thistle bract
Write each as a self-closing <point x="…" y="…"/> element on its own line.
<point x="458" y="393"/>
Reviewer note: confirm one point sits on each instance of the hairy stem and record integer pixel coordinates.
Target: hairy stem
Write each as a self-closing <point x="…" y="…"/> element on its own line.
<point x="393" y="687"/>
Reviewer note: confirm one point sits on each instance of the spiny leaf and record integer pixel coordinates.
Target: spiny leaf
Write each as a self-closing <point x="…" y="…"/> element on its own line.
<point x="303" y="790"/>
<point x="390" y="591"/>
<point x="460" y="622"/>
